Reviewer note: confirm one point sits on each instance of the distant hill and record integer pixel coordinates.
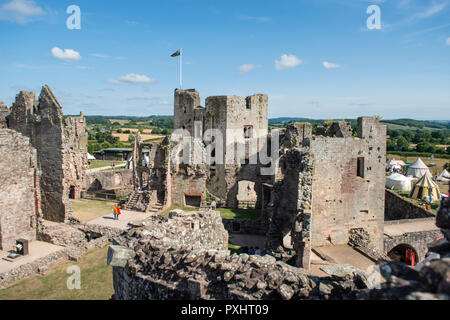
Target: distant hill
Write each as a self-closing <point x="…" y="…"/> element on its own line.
<point x="286" y="119"/>
<point x="399" y="124"/>
<point x="418" y="124"/>
<point x="407" y="124"/>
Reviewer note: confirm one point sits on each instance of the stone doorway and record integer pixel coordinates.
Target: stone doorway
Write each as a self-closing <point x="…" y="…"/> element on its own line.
<point x="193" y="201"/>
<point x="72" y="192"/>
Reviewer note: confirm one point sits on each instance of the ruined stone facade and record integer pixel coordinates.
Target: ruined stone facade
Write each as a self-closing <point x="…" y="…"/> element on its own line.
<point x="326" y="184"/>
<point x="19" y="189"/>
<point x="61" y="146"/>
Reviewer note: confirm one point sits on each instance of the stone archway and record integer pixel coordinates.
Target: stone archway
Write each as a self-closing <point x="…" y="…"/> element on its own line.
<point x="400" y="253"/>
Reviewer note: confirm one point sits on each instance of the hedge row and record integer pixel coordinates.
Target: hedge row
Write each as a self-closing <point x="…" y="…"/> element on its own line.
<point x="418" y="154"/>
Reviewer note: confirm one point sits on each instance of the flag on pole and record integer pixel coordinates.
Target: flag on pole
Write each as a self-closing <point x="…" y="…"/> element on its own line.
<point x="176" y="54"/>
<point x="179" y="54"/>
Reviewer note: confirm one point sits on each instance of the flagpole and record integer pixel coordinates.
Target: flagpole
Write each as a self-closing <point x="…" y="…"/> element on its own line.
<point x="181" y="69"/>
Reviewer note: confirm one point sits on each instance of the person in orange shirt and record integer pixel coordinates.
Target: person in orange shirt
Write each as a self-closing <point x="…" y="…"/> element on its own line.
<point x="116" y="214"/>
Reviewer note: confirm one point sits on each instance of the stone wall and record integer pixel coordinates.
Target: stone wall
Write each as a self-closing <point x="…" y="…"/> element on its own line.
<point x="419" y="241"/>
<point x="186" y="257"/>
<point x="246" y="226"/>
<point x="19" y="189"/>
<point x="61" y="149"/>
<point x="343" y="198"/>
<point x="107" y="180"/>
<point x="186" y="102"/>
<point x="399" y="208"/>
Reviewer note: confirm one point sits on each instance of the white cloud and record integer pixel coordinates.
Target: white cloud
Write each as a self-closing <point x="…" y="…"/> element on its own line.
<point x="20" y="11"/>
<point x="287" y="61"/>
<point x="248" y="67"/>
<point x="447" y="42"/>
<point x="428" y="12"/>
<point x="254" y="18"/>
<point x="104" y="56"/>
<point x="132" y="78"/>
<point x="66" y="54"/>
<point x="330" y="65"/>
<point x="99" y="55"/>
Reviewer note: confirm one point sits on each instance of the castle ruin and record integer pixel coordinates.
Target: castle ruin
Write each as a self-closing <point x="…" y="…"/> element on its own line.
<point x="43" y="165"/>
<point x="320" y="188"/>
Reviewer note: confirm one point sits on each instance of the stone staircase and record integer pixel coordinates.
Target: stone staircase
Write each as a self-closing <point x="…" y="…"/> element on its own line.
<point x="132" y="200"/>
<point x="155" y="207"/>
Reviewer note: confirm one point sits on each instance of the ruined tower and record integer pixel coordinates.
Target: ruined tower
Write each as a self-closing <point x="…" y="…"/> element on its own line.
<point x="19" y="189"/>
<point x="61" y="146"/>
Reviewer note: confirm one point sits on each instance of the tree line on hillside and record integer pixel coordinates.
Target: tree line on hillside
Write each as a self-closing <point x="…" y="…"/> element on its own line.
<point x="426" y="140"/>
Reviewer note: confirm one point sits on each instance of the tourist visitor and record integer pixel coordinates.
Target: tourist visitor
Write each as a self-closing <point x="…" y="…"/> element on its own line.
<point x="116" y="213"/>
<point x="258" y="251"/>
<point x="251" y="251"/>
<point x="213" y="205"/>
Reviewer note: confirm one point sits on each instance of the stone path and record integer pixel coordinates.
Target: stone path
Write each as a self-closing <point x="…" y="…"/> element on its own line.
<point x="398" y="229"/>
<point x="344" y="254"/>
<point x="37" y="250"/>
<point x="125" y="218"/>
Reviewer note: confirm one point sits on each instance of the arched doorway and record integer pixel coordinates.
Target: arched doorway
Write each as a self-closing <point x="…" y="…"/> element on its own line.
<point x="404" y="253"/>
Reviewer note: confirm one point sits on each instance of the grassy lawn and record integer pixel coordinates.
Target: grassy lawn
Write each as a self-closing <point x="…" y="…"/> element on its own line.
<point x="238" y="213"/>
<point x="102" y="163"/>
<point x="86" y="210"/>
<point x="235" y="249"/>
<point x="224" y="213"/>
<point x="96" y="282"/>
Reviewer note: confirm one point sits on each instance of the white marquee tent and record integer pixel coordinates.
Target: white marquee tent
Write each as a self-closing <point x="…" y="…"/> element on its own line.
<point x="90" y="157"/>
<point x="418" y="169"/>
<point x="395" y="164"/>
<point x="444" y="176"/>
<point x="398" y="182"/>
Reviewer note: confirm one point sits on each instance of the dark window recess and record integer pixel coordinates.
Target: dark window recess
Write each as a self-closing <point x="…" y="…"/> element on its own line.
<point x="248" y="132"/>
<point x="236" y="226"/>
<point x="193" y="201"/>
<point x="360" y="171"/>
<point x="249" y="105"/>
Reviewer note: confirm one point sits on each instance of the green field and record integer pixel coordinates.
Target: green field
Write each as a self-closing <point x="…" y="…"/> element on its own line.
<point x="94" y="164"/>
<point x="96" y="281"/>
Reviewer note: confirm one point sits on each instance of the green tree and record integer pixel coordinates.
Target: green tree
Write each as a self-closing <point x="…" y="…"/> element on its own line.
<point x="156" y="131"/>
<point x="402" y="144"/>
<point x="425" y="147"/>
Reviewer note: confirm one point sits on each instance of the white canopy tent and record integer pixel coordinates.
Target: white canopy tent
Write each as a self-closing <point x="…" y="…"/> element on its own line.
<point x="418" y="169"/>
<point x="91" y="157"/>
<point x="444" y="176"/>
<point x="398" y="182"/>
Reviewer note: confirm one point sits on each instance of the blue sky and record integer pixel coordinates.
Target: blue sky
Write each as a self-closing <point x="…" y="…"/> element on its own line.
<point x="314" y="59"/>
